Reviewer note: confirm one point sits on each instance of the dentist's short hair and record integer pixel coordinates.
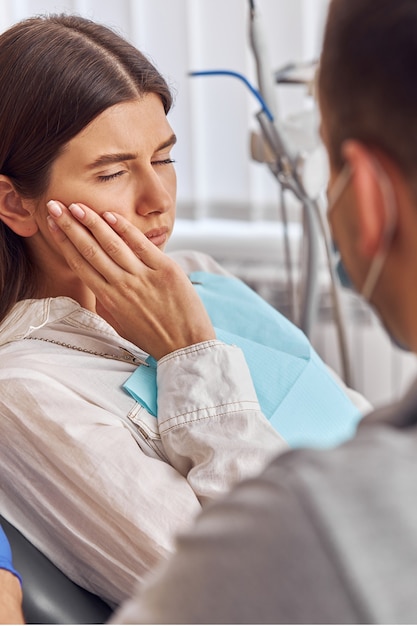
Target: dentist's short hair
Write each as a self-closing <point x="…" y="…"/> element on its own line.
<point x="367" y="82"/>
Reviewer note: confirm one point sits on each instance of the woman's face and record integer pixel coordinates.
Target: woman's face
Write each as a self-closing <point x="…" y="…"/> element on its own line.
<point x="121" y="162"/>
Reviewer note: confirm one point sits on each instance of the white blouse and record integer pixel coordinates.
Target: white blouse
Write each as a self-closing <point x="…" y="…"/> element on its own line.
<point x="91" y="478"/>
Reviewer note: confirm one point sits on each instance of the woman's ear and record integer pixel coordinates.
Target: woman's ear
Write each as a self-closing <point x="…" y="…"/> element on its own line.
<point x="369" y="197"/>
<point x="16" y="212"/>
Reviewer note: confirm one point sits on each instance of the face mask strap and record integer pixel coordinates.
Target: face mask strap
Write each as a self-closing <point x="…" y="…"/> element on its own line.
<point x="391" y="214"/>
<point x="338" y="187"/>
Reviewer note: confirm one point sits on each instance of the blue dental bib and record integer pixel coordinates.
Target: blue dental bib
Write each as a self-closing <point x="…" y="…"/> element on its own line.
<point x="296" y="391"/>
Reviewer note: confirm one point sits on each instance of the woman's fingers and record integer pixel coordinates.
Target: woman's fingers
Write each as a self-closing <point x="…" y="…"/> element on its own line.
<point x="138" y="243"/>
<point x="88" y="240"/>
<point x="140" y="291"/>
<point x="59" y="225"/>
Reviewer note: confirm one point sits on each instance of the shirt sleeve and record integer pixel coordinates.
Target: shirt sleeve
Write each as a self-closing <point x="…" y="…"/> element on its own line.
<point x="257" y="556"/>
<point x="6" y="559"/>
<point x="213" y="430"/>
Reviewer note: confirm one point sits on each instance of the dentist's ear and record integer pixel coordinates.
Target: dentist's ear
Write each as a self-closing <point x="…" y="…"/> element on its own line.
<point x="370" y="185"/>
<point x="16" y="212"/>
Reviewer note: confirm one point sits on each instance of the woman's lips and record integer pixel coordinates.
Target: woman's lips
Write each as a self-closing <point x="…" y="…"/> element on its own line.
<point x="158" y="236"/>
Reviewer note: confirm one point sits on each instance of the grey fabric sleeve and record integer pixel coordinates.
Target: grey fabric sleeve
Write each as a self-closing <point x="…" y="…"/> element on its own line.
<point x="255" y="557"/>
<point x="320" y="537"/>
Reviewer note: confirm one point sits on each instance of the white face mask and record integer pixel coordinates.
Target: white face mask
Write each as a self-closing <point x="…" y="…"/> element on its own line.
<point x="379" y="259"/>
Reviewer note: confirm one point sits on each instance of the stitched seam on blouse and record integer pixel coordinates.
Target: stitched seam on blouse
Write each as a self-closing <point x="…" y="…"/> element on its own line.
<point x="190" y="350"/>
<point x="200" y="419"/>
<point x="214" y="407"/>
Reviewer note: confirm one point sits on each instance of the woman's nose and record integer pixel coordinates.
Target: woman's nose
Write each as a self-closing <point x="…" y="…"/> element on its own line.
<point x="155" y="194"/>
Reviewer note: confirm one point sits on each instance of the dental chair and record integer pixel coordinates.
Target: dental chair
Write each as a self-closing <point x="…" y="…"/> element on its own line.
<point x="49" y="597"/>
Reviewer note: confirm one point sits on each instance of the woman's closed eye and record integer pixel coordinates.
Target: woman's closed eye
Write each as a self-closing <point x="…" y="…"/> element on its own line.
<point x="163" y="162"/>
<point x="106" y="177"/>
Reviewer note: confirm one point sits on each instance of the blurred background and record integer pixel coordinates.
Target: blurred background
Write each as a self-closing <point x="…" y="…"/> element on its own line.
<point x="229" y="204"/>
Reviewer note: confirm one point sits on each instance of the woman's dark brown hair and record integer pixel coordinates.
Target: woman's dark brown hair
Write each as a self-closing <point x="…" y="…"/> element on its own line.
<point x="368" y="77"/>
<point x="57" y="73"/>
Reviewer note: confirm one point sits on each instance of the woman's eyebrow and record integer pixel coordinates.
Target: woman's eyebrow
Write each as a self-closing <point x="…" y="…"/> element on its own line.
<point x="168" y="143"/>
<point x="108" y="159"/>
<point x="117" y="157"/>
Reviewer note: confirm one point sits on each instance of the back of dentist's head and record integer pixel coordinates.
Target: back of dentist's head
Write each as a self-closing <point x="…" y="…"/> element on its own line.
<point x="368" y="78"/>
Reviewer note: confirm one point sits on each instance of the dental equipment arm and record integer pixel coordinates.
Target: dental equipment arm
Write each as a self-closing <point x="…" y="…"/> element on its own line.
<point x="288" y="175"/>
<point x="286" y="167"/>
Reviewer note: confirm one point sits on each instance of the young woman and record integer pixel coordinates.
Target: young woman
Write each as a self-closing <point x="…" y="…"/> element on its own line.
<point x="89" y="475"/>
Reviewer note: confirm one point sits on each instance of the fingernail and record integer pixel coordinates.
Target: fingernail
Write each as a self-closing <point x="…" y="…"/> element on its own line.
<point x="51" y="223"/>
<point x="109" y="217"/>
<point x="54" y="208"/>
<point x="77" y="211"/>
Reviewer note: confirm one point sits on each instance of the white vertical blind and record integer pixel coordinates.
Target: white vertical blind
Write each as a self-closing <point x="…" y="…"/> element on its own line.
<point x="212" y="116"/>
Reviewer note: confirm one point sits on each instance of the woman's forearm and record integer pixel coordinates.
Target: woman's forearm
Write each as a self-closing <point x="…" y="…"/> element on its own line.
<point x="11" y="599"/>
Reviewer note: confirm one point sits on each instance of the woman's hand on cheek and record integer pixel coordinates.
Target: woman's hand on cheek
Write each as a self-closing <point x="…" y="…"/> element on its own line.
<point x="146" y="295"/>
